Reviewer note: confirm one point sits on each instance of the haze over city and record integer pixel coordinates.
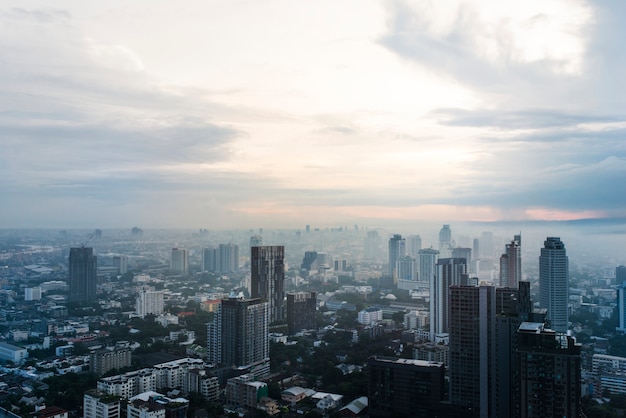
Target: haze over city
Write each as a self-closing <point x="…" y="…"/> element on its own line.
<point x="279" y="113"/>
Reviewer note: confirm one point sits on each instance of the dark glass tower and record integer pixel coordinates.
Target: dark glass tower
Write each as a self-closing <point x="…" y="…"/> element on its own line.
<point x="82" y="267"/>
<point x="268" y="278"/>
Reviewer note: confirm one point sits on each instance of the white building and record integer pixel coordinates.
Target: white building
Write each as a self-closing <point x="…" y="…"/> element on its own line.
<point x="100" y="405"/>
<point x="149" y="302"/>
<point x="32" y="293"/>
<point x="370" y="315"/>
<point x="13" y="353"/>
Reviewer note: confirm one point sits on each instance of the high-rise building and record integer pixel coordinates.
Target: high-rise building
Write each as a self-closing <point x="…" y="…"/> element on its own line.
<point x="472" y="349"/>
<point x="301" y="309"/>
<point x="149" y="302"/>
<point x="82" y="268"/>
<point x="449" y="271"/>
<point x="256" y="241"/>
<point x="466" y="253"/>
<point x="179" y="261"/>
<point x="486" y="245"/>
<point x="239" y="334"/>
<point x="372" y="245"/>
<point x="406" y="269"/>
<point x="427" y="260"/>
<point x="221" y="259"/>
<point x="553" y="283"/>
<point x="620" y="274"/>
<point x="511" y="263"/>
<point x="121" y="263"/>
<point x="267" y="280"/>
<point x="397" y="249"/>
<point x="621" y="307"/>
<point x="445" y="240"/>
<point x="404" y="388"/>
<point x="415" y="245"/>
<point x="550" y="373"/>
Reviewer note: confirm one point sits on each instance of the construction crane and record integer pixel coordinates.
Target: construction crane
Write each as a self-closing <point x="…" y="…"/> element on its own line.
<point x="89" y="237"/>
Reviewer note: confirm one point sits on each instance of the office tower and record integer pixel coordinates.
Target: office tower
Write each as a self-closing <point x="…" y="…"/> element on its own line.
<point x="472" y="349"/>
<point x="486" y="244"/>
<point x="621" y="307"/>
<point x="268" y="278"/>
<point x="427" y="259"/>
<point x="550" y="372"/>
<point x="511" y="263"/>
<point x="179" y="261"/>
<point x="239" y="334"/>
<point x="82" y="268"/>
<point x="620" y="274"/>
<point x="397" y="249"/>
<point x="149" y="302"/>
<point x="340" y="265"/>
<point x="406" y="269"/>
<point x="449" y="271"/>
<point x="476" y="249"/>
<point x="404" y="388"/>
<point x="372" y="245"/>
<point x="445" y="240"/>
<point x="301" y="309"/>
<point x="120" y="262"/>
<point x="309" y="263"/>
<point x="415" y="245"/>
<point x="553" y="283"/>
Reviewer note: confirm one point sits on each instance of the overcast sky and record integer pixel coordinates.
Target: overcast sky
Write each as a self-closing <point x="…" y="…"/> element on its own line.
<point x="225" y="114"/>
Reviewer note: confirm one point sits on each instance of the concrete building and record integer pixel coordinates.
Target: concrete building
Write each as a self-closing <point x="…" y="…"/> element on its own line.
<point x="244" y="391"/>
<point x="32" y="293"/>
<point x="104" y="360"/>
<point x="9" y="352"/>
<point x="369" y="316"/>
<point x="397" y="249"/>
<point x="149" y="302"/>
<point x="621" y="307"/>
<point x="449" y="271"/>
<point x="427" y="260"/>
<point x="239" y="334"/>
<point x="179" y="261"/>
<point x="221" y="259"/>
<point x="121" y="263"/>
<point x="511" y="263"/>
<point x="101" y="405"/>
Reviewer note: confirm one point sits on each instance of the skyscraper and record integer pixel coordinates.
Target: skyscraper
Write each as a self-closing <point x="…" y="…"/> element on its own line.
<point x="550" y="372"/>
<point x="121" y="263"/>
<point x="222" y="259"/>
<point x="397" y="249"/>
<point x="553" y="283"/>
<point x="406" y="268"/>
<point x="445" y="240"/>
<point x="239" y="334"/>
<point x="82" y="269"/>
<point x="301" y="308"/>
<point x="372" y="245"/>
<point x="415" y="244"/>
<point x="620" y="274"/>
<point x="179" y="261"/>
<point x="427" y="259"/>
<point x="511" y="263"/>
<point x="268" y="278"/>
<point x="472" y="349"/>
<point x="449" y="271"/>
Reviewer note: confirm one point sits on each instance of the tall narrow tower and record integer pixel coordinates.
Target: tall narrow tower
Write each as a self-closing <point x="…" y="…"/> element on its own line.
<point x="82" y="269"/>
<point x="511" y="263"/>
<point x="449" y="271"/>
<point x="553" y="283"/>
<point x="397" y="249"/>
<point x="268" y="278"/>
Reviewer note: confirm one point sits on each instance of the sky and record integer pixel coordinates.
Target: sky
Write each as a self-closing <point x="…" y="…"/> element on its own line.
<point x="227" y="114"/>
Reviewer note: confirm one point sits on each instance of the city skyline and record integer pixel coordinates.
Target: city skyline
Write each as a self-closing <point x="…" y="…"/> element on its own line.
<point x="230" y="114"/>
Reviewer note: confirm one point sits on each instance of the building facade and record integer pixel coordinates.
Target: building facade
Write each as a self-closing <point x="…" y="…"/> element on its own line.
<point x="397" y="249"/>
<point x="449" y="271"/>
<point x="268" y="279"/>
<point x="301" y="309"/>
<point x="83" y="274"/>
<point x="179" y="261"/>
<point x="553" y="283"/>
<point x="97" y="404"/>
<point x="105" y="360"/>
<point x="149" y="302"/>
<point x="511" y="263"/>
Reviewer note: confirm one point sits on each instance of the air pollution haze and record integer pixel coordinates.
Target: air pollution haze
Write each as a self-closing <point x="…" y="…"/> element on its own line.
<point x="279" y="113"/>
